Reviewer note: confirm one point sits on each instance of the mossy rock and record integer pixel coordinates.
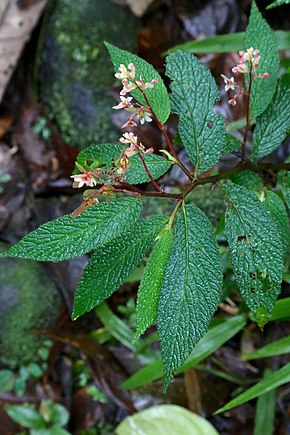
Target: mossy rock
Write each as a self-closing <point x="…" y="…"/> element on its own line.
<point x="28" y="300"/>
<point x="76" y="72"/>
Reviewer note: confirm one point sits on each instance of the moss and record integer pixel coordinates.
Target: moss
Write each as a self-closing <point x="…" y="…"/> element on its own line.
<point x="28" y="300"/>
<point x="76" y="71"/>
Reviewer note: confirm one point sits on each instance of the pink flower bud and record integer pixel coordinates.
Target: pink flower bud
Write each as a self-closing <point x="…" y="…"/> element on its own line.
<point x="256" y="52"/>
<point x="235" y="69"/>
<point x="150" y="150"/>
<point x="266" y="75"/>
<point x="232" y="102"/>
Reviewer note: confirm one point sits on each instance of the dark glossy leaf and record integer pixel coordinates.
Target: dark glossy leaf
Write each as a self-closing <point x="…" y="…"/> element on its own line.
<point x="111" y="264"/>
<point x="65" y="237"/>
<point x="194" y="94"/>
<point x="191" y="289"/>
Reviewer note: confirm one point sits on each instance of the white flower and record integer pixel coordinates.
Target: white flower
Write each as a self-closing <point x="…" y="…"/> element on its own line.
<point x="229" y="83"/>
<point x="124" y="103"/>
<point x="83" y="179"/>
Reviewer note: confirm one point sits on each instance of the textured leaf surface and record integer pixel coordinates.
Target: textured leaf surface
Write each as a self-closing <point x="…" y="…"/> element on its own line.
<point x="278" y="3"/>
<point x="149" y="289"/>
<point x="280" y="377"/>
<point x="273" y="124"/>
<point x="260" y="36"/>
<point x="65" y="237"/>
<point x="279" y="215"/>
<point x="213" y="340"/>
<point x="231" y="144"/>
<point x="165" y="419"/>
<point x="106" y="154"/>
<point x="194" y="94"/>
<point x="256" y="249"/>
<point x="191" y="290"/>
<point x="249" y="179"/>
<point x="157" y="96"/>
<point x="284" y="181"/>
<point x="111" y="264"/>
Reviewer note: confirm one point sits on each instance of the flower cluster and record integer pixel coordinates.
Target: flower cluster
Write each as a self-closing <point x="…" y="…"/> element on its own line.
<point x="248" y="63"/>
<point x="136" y="147"/>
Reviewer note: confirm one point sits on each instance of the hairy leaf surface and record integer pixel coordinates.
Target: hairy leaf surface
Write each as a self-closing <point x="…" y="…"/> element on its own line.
<point x="194" y="94"/>
<point x="256" y="250"/>
<point x="260" y="36"/>
<point x="279" y="215"/>
<point x="157" y="96"/>
<point x="111" y="264"/>
<point x="106" y="154"/>
<point x="65" y="237"/>
<point x="273" y="124"/>
<point x="149" y="289"/>
<point x="191" y="289"/>
<point x="284" y="181"/>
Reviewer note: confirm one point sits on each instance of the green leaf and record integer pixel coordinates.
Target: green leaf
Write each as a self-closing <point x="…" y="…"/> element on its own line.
<point x="281" y="310"/>
<point x="6" y="380"/>
<point x="227" y="43"/>
<point x="191" y="290"/>
<point x="65" y="237"/>
<point x="54" y="413"/>
<point x="111" y="264"/>
<point x="284" y="181"/>
<point x="212" y="341"/>
<point x="280" y="377"/>
<point x="106" y="154"/>
<point x="165" y="419"/>
<point x="25" y="416"/>
<point x="273" y="124"/>
<point x="194" y="94"/>
<point x="278" y="3"/>
<point x="256" y="250"/>
<point x="265" y="412"/>
<point x="157" y="96"/>
<point x="231" y="144"/>
<point x="279" y="215"/>
<point x="249" y="179"/>
<point x="149" y="289"/>
<point x="260" y="36"/>
<point x="278" y="347"/>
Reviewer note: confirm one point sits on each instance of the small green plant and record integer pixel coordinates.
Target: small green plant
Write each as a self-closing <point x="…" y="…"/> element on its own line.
<point x="49" y="420"/>
<point x="182" y="284"/>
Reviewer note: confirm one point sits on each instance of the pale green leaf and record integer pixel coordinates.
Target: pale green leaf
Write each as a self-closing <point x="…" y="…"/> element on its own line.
<point x="278" y="3"/>
<point x="65" y="237"/>
<point x="281" y="310"/>
<point x="149" y="289"/>
<point x="165" y="419"/>
<point x="227" y="43"/>
<point x="260" y="36"/>
<point x="255" y="248"/>
<point x="265" y="412"/>
<point x="194" y="94"/>
<point x="191" y="290"/>
<point x="26" y="416"/>
<point x="273" y="124"/>
<point x="279" y="215"/>
<point x="213" y="340"/>
<point x="106" y="154"/>
<point x="157" y="96"/>
<point x="111" y="264"/>
<point x="280" y="377"/>
<point x="277" y="347"/>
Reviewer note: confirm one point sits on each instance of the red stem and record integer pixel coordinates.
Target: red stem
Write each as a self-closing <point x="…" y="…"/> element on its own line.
<point x="248" y="120"/>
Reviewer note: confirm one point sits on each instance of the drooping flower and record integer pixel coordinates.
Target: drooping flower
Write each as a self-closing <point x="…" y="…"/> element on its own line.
<point x="124" y="103"/>
<point x="229" y="82"/>
<point x="144" y="116"/>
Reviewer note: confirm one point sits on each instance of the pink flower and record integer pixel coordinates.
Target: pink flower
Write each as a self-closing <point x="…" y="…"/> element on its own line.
<point x="129" y="138"/>
<point x="232" y="102"/>
<point x="124" y="103"/>
<point x="84" y="179"/>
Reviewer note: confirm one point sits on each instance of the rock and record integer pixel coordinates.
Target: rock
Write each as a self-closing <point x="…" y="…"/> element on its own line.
<point x="28" y="300"/>
<point x="76" y="72"/>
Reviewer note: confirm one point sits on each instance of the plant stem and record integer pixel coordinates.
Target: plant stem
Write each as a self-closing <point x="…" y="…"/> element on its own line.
<point x="248" y="120"/>
<point x="157" y="187"/>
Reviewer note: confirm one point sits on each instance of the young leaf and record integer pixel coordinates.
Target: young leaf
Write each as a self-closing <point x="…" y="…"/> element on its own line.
<point x="260" y="36"/>
<point x="278" y="3"/>
<point x="213" y="340"/>
<point x="194" y="94"/>
<point x="106" y="154"/>
<point x="191" y="289"/>
<point x="284" y="181"/>
<point x="65" y="237"/>
<point x="255" y="248"/>
<point x="273" y="124"/>
<point x="157" y="96"/>
<point x="26" y="416"/>
<point x="280" y="377"/>
<point x="279" y="215"/>
<point x="149" y="289"/>
<point x="111" y="264"/>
